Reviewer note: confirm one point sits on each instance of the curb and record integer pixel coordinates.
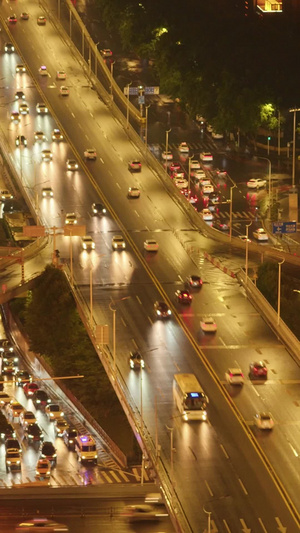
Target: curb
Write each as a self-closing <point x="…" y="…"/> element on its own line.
<point x="216" y="262"/>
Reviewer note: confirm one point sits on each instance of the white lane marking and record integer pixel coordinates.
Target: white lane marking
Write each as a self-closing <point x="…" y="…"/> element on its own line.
<point x="293" y="449"/>
<point x="117" y="184"/>
<point x="101" y="160"/>
<point x="92" y="115"/>
<point x="135" y="344"/>
<point x="123" y="322"/>
<point x="220" y="338"/>
<point x="136" y="213"/>
<point x="208" y="488"/>
<point x="224" y="451"/>
<point x="138" y="300"/>
<point x="281" y="528"/>
<point x="177" y="366"/>
<point x="226" y="525"/>
<point x="72" y="114"/>
<point x="262" y="525"/>
<point x="244" y="526"/>
<point x="254" y="388"/>
<point x="180" y="278"/>
<point x="243" y="487"/>
<point x="151" y="321"/>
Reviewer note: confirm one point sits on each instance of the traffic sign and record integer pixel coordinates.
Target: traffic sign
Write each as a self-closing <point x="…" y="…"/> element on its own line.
<point x="34" y="231"/>
<point x="141" y="99"/>
<point x="133" y="91"/>
<point x="284" y="227"/>
<point x="151" y="90"/>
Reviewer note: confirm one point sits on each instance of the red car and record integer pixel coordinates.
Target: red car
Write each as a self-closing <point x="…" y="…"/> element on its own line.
<point x="30" y="389"/>
<point x="258" y="369"/>
<point x="183" y="297"/>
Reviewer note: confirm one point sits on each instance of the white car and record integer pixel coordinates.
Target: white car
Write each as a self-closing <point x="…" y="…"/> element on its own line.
<point x="134" y="192"/>
<point x="88" y="243"/>
<point x="260" y="234"/>
<point x="39" y="136"/>
<point x="42" y="109"/>
<point x="198" y="174"/>
<point x="244" y="238"/>
<point x="90" y="153"/>
<point x="43" y="70"/>
<point x="57" y="135"/>
<point x="5" y="194"/>
<point x="61" y="75"/>
<point x="234" y="376"/>
<point x="43" y="470"/>
<point x="71" y="219"/>
<point x="72" y="164"/>
<point x="27" y="417"/>
<point x="181" y="183"/>
<point x="139" y="513"/>
<point x="216" y="135"/>
<point x="256" y="183"/>
<point x="64" y="90"/>
<point x="4" y="399"/>
<point x="195" y="165"/>
<point x="206" y="156"/>
<point x="20" y="68"/>
<point x="208" y="325"/>
<point x="167" y="156"/>
<point x="264" y="421"/>
<point x="53" y="411"/>
<point x="183" y="148"/>
<point x="118" y="242"/>
<point x="23" y="109"/>
<point x="150" y="245"/>
<point x="207" y="188"/>
<point x="206" y="214"/>
<point x="46" y="155"/>
<point x="47" y="192"/>
<point x="178" y="174"/>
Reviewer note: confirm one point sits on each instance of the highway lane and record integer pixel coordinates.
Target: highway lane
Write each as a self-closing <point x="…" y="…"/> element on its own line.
<point x="174" y="218"/>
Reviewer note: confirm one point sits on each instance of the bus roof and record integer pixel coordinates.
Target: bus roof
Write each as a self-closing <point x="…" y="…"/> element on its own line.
<point x="188" y="383"/>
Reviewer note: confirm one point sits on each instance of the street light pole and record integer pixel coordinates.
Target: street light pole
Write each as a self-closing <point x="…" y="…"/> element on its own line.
<point x="127" y="105"/>
<point x="189" y="177"/>
<point x="146" y="126"/>
<point x="114" y="334"/>
<point x="171" y="452"/>
<point x="167" y="147"/>
<point x="279" y="291"/>
<point x="111" y="79"/>
<point x="294" y="110"/>
<point x="91" y="294"/>
<point x="208" y="520"/>
<point x="96" y="59"/>
<point x="230" y="213"/>
<point x="247" y="249"/>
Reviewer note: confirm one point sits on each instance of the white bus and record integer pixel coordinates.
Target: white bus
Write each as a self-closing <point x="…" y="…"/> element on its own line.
<point x="190" y="399"/>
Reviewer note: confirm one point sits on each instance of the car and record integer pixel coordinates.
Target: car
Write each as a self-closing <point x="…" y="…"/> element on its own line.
<point x="133" y="192"/>
<point x="256" y="183"/>
<point x="46" y="155"/>
<point x="13" y="460"/>
<point x="43" y="70"/>
<point x="140" y="513"/>
<point x="264" y="420"/>
<point x="60" y="426"/>
<point x="4" y="399"/>
<point x="24" y="15"/>
<point x="12" y="19"/>
<point x="42" y="109"/>
<point x="135" y="165"/>
<point x="193" y="199"/>
<point x="198" y="174"/>
<point x="181" y="183"/>
<point x="43" y="468"/>
<point x="90" y="154"/>
<point x="9" y="366"/>
<point x="39" y="136"/>
<point x="21" y="140"/>
<point x="208" y="325"/>
<point x="72" y="164"/>
<point x="216" y="135"/>
<point x="221" y="172"/>
<point x="19" y="95"/>
<point x="57" y="135"/>
<point x="5" y="194"/>
<point x="23" y="109"/>
<point x="234" y="376"/>
<point x="221" y="226"/>
<point x="9" y="48"/>
<point x="33" y="433"/>
<point x="136" y="361"/>
<point x="14" y="409"/>
<point x="183" y="296"/>
<point x="53" y="411"/>
<point x="12" y="444"/>
<point x="98" y="209"/>
<point x="7" y="430"/>
<point x="41" y="524"/>
<point x="71" y="218"/>
<point x="178" y="174"/>
<point x="6" y="346"/>
<point x="20" y="68"/>
<point x="194" y="164"/>
<point x="174" y="166"/>
<point x="22" y="377"/>
<point x="9" y="355"/>
<point x="41" y="399"/>
<point x="88" y="243"/>
<point x="206" y="214"/>
<point x="162" y="310"/>
<point x="118" y="242"/>
<point x="194" y="281"/>
<point x="213" y="199"/>
<point x="150" y="245"/>
<point x="41" y="20"/>
<point x="69" y="437"/>
<point x="167" y="156"/>
<point x="27" y="417"/>
<point x="64" y="90"/>
<point x="206" y="157"/>
<point x="106" y="52"/>
<point x="61" y="75"/>
<point x="47" y="192"/>
<point x="30" y="389"/>
<point x="207" y="188"/>
<point x="260" y="234"/>
<point x="183" y="148"/>
<point x="15" y="116"/>
<point x="258" y="369"/>
<point x="244" y="238"/>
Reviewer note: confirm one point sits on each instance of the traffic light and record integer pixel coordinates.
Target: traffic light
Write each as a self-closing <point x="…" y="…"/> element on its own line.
<point x="269" y="138"/>
<point x="57" y="253"/>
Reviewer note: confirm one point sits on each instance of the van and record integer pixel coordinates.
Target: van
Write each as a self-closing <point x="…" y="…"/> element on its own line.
<point x="85" y="447"/>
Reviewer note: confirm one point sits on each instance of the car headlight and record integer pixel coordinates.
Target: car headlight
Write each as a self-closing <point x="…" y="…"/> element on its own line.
<point x="131" y="364"/>
<point x="95" y="211"/>
<point x="83" y="457"/>
<point x="48" y="472"/>
<point x="54" y="455"/>
<point x="158" y="312"/>
<point x="93" y="246"/>
<point x="30" y="436"/>
<point x="142" y="364"/>
<point x="84" y="246"/>
<point x="18" y="462"/>
<point x="123" y="244"/>
<point x="8" y="462"/>
<point x="169" y="312"/>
